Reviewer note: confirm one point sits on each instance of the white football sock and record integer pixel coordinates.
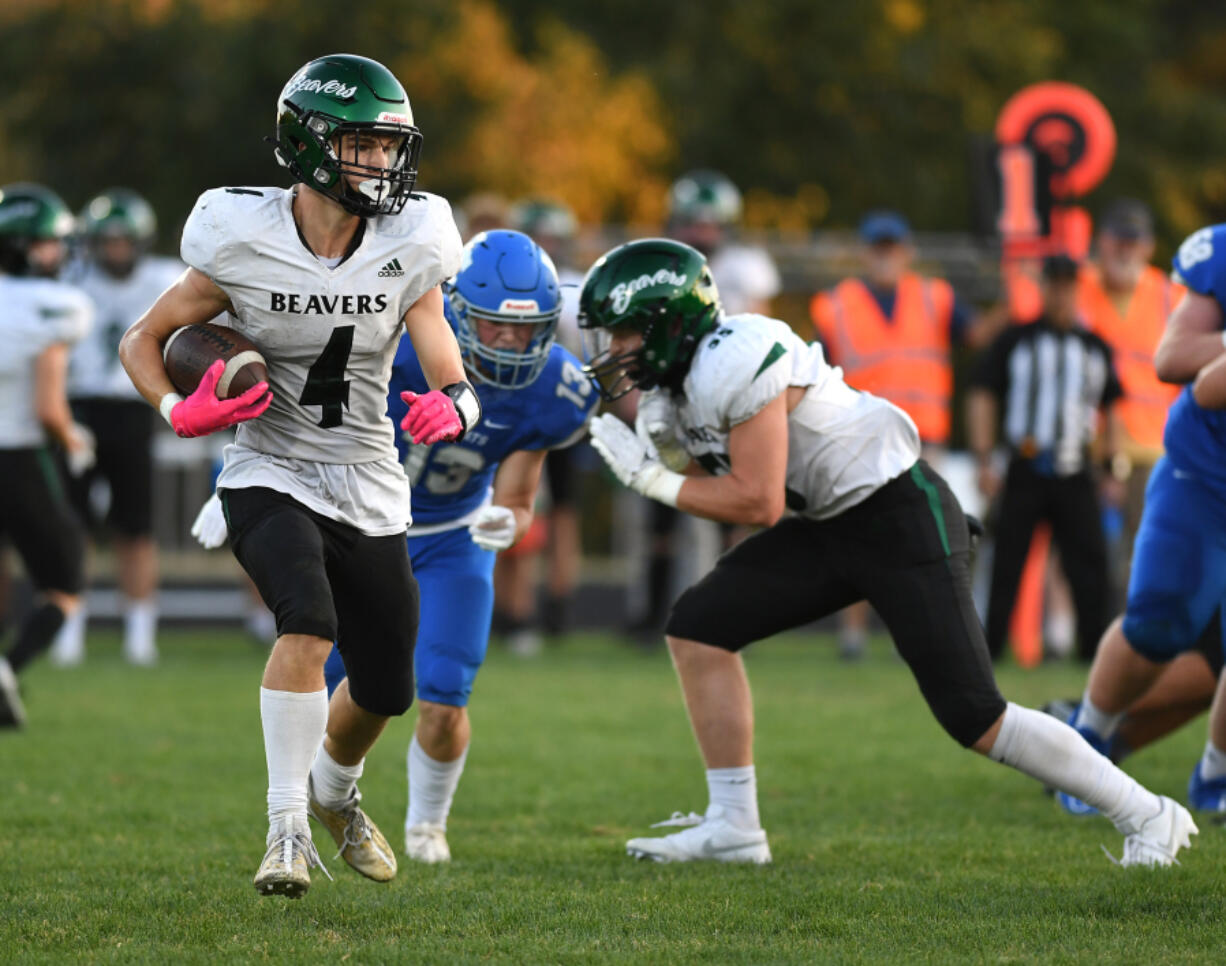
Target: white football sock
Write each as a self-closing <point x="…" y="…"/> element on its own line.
<point x="140" y="618"/>
<point x="1102" y="723"/>
<point x="432" y="786"/>
<point x="1212" y="763"/>
<point x="69" y="645"/>
<point x="736" y="791"/>
<point x="294" y="725"/>
<point x="334" y="783"/>
<point x="1045" y="748"/>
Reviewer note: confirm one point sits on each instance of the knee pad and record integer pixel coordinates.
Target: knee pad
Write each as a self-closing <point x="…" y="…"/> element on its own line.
<point x="965" y="717"/>
<point x="445" y="679"/>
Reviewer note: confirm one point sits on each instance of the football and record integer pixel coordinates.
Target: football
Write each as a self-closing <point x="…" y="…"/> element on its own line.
<point x="192" y="349"/>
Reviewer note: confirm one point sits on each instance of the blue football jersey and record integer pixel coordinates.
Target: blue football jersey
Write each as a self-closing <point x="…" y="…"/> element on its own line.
<point x="1195" y="438"/>
<point x="451" y="480"/>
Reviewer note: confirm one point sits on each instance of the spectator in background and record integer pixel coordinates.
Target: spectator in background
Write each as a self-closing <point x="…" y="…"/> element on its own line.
<point x="891" y="330"/>
<point x="1051" y="377"/>
<point x="1125" y="300"/>
<point x="123" y="280"/>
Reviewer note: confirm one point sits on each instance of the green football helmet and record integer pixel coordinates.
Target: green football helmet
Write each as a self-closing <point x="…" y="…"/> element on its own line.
<point x="122" y="213"/>
<point x="118" y="213"/>
<point x="30" y="213"/>
<point x="656" y="286"/>
<point x="345" y="94"/>
<point x="703" y="196"/>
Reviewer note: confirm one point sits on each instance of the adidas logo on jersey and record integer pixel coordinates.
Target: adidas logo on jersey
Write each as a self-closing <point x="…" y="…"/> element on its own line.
<point x="392" y="269"/>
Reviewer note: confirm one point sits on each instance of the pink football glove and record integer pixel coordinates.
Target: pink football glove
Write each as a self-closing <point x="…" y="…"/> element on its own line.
<point x="431" y="418"/>
<point x="202" y="412"/>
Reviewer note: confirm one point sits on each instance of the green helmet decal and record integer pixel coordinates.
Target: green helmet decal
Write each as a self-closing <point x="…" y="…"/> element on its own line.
<point x="704" y="196"/>
<point x="122" y="213"/>
<point x="339" y="95"/>
<point x="29" y="213"/>
<point x="660" y="288"/>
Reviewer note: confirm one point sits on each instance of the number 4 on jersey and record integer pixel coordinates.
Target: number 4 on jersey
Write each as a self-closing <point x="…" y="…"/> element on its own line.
<point x="326" y="384"/>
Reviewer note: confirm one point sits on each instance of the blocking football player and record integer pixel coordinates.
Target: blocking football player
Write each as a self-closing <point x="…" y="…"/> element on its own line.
<point x="474" y="497"/>
<point x="39" y="320"/>
<point x="1178" y="577"/>
<point x="767" y="426"/>
<point x="122" y="279"/>
<point x="324" y="277"/>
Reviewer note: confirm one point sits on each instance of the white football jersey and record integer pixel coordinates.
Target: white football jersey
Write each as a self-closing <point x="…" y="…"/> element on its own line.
<point x="96" y="371"/>
<point x="743" y="276"/>
<point x="843" y="445"/>
<point x="34" y="314"/>
<point x="328" y="336"/>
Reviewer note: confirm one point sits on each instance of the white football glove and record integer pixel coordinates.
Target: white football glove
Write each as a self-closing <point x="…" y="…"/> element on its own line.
<point x="634" y="461"/>
<point x="494" y="528"/>
<point x="83" y="452"/>
<point x="210" y="526"/>
<point x="656" y="422"/>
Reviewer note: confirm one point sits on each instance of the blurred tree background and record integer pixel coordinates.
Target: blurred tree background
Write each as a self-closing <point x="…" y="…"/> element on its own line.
<point x="818" y="111"/>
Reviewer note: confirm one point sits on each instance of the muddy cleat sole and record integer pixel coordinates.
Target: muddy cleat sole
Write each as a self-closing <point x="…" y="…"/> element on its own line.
<point x="286" y="867"/>
<point x="708" y="838"/>
<point x="358" y="840"/>
<point x="427" y="843"/>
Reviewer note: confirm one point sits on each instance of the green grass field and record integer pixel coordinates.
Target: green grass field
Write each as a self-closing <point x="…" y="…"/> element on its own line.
<point x="133" y="823"/>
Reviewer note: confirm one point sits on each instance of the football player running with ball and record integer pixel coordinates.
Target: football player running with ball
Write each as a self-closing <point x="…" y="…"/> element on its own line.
<point x="472" y="498"/>
<point x="754" y="424"/>
<point x="324" y="277"/>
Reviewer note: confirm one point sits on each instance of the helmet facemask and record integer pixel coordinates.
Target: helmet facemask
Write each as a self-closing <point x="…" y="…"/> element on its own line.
<point x="506" y="368"/>
<point x="314" y="147"/>
<point x="662" y="359"/>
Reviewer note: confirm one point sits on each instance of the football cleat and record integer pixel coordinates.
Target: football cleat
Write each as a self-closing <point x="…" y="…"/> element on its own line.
<point x="286" y="867"/>
<point x="709" y="837"/>
<point x="1157" y="840"/>
<point x="1206" y="796"/>
<point x="358" y="839"/>
<point x="426" y="842"/>
<point x="12" y="711"/>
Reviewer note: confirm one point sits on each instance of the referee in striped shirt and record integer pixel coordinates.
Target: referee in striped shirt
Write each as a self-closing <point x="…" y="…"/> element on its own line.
<point x="1051" y="378"/>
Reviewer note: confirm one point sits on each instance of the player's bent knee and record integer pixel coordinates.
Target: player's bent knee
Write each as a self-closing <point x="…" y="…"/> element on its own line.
<point x="967" y="718"/>
<point x="1160" y="635"/>
<point x="389" y="700"/>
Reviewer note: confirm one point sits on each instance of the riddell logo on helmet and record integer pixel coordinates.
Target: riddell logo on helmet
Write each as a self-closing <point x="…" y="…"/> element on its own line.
<point x="392" y="117"/>
<point x="519" y="305"/>
<point x="315" y="86"/>
<point x="624" y="291"/>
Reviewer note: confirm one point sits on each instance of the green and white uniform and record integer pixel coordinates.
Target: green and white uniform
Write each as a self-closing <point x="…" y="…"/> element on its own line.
<point x="328" y="335"/>
<point x="842" y="444"/>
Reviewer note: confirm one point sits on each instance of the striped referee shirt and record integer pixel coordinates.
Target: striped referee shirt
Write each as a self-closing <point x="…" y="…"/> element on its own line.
<point x="1051" y="383"/>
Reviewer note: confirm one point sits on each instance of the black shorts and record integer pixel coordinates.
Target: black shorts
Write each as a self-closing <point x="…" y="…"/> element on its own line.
<point x="906" y="549"/>
<point x="326" y="579"/>
<point x="563" y="472"/>
<point x="123" y="429"/>
<point x="37" y="518"/>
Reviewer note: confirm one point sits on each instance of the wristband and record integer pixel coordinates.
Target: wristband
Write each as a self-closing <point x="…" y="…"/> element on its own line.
<point x="664" y="487"/>
<point x="169" y="401"/>
<point x="466" y="403"/>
